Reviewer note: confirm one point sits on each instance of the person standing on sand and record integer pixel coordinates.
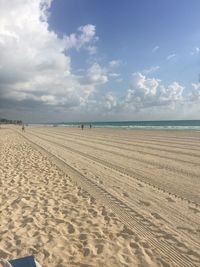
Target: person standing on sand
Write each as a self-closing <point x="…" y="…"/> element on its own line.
<point x="23" y="128"/>
<point x="82" y="126"/>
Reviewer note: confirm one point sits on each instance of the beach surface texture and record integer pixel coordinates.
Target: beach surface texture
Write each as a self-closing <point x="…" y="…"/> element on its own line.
<point x="100" y="197"/>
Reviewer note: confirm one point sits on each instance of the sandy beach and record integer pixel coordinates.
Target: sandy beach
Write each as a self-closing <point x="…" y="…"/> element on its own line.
<point x="100" y="197"/>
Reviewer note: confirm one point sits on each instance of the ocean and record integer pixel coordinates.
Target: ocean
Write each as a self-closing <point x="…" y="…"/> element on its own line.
<point x="166" y="124"/>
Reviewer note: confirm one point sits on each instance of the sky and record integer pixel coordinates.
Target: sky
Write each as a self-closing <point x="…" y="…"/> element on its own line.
<point x="99" y="60"/>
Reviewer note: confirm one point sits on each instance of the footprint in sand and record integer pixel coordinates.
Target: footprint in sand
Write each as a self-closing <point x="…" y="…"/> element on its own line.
<point x="195" y="210"/>
<point x="170" y="199"/>
<point x="104" y="212"/>
<point x="156" y="215"/>
<point x="85" y="265"/>
<point x="145" y="203"/>
<point x="71" y="198"/>
<point x="164" y="263"/>
<point x="187" y="229"/>
<point x="70" y="228"/>
<point x="93" y="212"/>
<point x="18" y="242"/>
<point x="99" y="248"/>
<point x="46" y="253"/>
<point x="86" y="252"/>
<point x="126" y="233"/>
<point x="82" y="237"/>
<point x="193" y="255"/>
<point x="134" y="245"/>
<point x="92" y="200"/>
<point x="125" y="194"/>
<point x="58" y="221"/>
<point x="4" y="254"/>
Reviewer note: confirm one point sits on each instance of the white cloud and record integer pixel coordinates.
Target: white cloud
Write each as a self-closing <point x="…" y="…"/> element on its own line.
<point x="148" y="92"/>
<point x="111" y="70"/>
<point x="86" y="35"/>
<point x="110" y="102"/>
<point x="114" y="75"/>
<point x="96" y="74"/>
<point x="119" y="80"/>
<point x="36" y="74"/>
<point x="150" y="98"/>
<point x="92" y="49"/>
<point x="155" y="48"/>
<point x="146" y="97"/>
<point x="195" y="92"/>
<point x="151" y="69"/>
<point x="34" y="67"/>
<point x="196" y="51"/>
<point x="114" y="63"/>
<point x="170" y="56"/>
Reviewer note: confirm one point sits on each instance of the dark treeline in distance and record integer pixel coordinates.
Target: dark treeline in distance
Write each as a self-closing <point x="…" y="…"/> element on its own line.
<point x="5" y="121"/>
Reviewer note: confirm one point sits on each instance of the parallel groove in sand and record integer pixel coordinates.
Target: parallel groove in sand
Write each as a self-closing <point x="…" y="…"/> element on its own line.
<point x="130" y="183"/>
<point x="153" y="145"/>
<point x="128" y="178"/>
<point x="128" y="216"/>
<point x="140" y="160"/>
<point x="154" y="141"/>
<point x="131" y="173"/>
<point x="124" y="148"/>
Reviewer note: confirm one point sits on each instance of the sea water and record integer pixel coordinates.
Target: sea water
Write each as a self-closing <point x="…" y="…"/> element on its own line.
<point x="166" y="124"/>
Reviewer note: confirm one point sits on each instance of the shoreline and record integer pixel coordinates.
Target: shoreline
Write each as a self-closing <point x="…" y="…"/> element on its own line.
<point x="132" y="128"/>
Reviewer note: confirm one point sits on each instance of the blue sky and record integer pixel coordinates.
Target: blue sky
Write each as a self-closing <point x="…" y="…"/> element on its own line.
<point x="130" y="30"/>
<point x="100" y="60"/>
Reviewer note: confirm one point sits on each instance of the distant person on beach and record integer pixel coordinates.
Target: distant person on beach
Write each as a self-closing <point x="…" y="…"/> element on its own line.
<point x="23" y="128"/>
<point x="90" y="126"/>
<point x="82" y="126"/>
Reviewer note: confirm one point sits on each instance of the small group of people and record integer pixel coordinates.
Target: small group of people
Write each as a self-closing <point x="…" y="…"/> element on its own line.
<point x="82" y="126"/>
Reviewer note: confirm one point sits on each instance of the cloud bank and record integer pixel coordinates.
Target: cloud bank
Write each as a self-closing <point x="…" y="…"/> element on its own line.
<point x="37" y="82"/>
<point x="35" y="66"/>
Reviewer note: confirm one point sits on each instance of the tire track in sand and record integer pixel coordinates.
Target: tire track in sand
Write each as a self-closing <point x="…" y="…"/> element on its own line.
<point x="131" y="173"/>
<point x="170" y="248"/>
<point x="142" y="152"/>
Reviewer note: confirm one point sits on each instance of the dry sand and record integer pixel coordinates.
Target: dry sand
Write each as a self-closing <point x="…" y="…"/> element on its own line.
<point x="100" y="197"/>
